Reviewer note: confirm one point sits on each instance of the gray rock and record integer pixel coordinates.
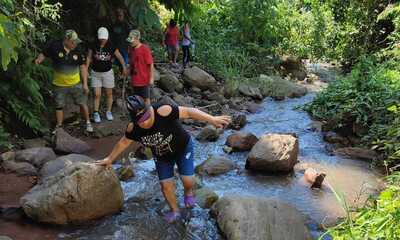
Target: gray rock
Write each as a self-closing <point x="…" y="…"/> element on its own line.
<point x="125" y="173"/>
<point x="156" y="75"/>
<point x="205" y="197"/>
<point x="80" y="192"/>
<point x="196" y="77"/>
<point x="53" y="167"/>
<point x="254" y="218"/>
<point x="68" y="144"/>
<point x="293" y="67"/>
<point x="215" y="165"/>
<point x="209" y="133"/>
<point x="357" y="153"/>
<point x="241" y="141"/>
<point x="274" y="153"/>
<point x="238" y="122"/>
<point x="156" y="93"/>
<point x="34" y="143"/>
<point x="7" y="156"/>
<point x="250" y="91"/>
<point x="332" y="137"/>
<point x="170" y="83"/>
<point x="35" y="156"/>
<point x="20" y="168"/>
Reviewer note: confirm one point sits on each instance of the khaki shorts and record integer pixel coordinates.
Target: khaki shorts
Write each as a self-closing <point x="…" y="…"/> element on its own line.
<point x="102" y="79"/>
<point x="74" y="92"/>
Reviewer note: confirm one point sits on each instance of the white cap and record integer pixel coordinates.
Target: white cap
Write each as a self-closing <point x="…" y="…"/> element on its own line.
<point x="102" y="33"/>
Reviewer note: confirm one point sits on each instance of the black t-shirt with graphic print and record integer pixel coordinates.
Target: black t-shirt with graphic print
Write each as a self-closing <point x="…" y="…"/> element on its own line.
<point x="166" y="138"/>
<point x="102" y="56"/>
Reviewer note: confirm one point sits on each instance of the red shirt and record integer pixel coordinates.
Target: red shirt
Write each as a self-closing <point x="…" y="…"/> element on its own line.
<point x="172" y="36"/>
<point x="140" y="60"/>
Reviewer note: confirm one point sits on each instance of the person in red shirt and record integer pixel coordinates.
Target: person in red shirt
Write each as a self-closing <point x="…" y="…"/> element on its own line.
<point x="141" y="66"/>
<point x="171" y="35"/>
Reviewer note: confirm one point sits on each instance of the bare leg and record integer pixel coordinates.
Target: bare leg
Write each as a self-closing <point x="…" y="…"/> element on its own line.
<point x="109" y="93"/>
<point x="97" y="97"/>
<point x="85" y="112"/>
<point x="59" y="117"/>
<point x="168" y="190"/>
<point x="188" y="185"/>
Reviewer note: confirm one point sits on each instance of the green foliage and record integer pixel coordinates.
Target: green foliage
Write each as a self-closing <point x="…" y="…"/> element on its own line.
<point x="378" y="219"/>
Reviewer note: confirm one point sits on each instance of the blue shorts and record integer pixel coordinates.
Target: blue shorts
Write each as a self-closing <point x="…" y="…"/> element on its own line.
<point x="185" y="164"/>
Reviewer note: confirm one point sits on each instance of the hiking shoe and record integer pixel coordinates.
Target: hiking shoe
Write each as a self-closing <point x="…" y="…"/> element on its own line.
<point x="190" y="201"/>
<point x="171" y="217"/>
<point x="109" y="116"/>
<point x="89" y="127"/>
<point x="96" y="117"/>
<point x="55" y="129"/>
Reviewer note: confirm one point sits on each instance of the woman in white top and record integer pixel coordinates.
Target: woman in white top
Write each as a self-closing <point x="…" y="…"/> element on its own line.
<point x="186" y="41"/>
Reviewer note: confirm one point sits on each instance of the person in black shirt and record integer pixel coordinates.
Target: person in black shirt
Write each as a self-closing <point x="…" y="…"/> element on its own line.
<point x="157" y="126"/>
<point x="100" y="57"/>
<point x="119" y="32"/>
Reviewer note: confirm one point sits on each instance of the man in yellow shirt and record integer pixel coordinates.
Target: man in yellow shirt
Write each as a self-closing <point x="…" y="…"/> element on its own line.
<point x="69" y="66"/>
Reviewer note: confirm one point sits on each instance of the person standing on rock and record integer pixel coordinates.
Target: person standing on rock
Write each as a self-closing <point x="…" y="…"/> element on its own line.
<point x="69" y="66"/>
<point x="158" y="127"/>
<point x="100" y="57"/>
<point x="119" y="33"/>
<point x="186" y="42"/>
<point x="141" y="66"/>
<point x="171" y="36"/>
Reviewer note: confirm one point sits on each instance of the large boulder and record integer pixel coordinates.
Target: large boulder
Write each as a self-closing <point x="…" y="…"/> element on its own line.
<point x="215" y="165"/>
<point x="34" y="143"/>
<point x="208" y="133"/>
<point x="293" y="67"/>
<point x="35" y="156"/>
<point x="279" y="88"/>
<point x="254" y="218"/>
<point x="79" y="192"/>
<point x="205" y="197"/>
<point x="250" y="91"/>
<point x="169" y="83"/>
<point x="68" y="144"/>
<point x="20" y="168"/>
<point x="274" y="153"/>
<point x="53" y="167"/>
<point x="241" y="141"/>
<point x="196" y="77"/>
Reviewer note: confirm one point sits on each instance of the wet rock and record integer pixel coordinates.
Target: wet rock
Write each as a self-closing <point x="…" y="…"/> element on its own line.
<point x="156" y="94"/>
<point x="68" y="144"/>
<point x="314" y="178"/>
<point x="7" y="156"/>
<point x="35" y="156"/>
<point x="250" y="91"/>
<point x="278" y="97"/>
<point x="293" y="67"/>
<point x="20" y="168"/>
<point x="241" y="141"/>
<point x="169" y="83"/>
<point x="332" y="137"/>
<point x="53" y="167"/>
<point x="125" y="173"/>
<point x="227" y="149"/>
<point x="144" y="153"/>
<point x="241" y="217"/>
<point x="209" y="133"/>
<point x="253" y="107"/>
<point x="196" y="77"/>
<point x="105" y="130"/>
<point x="79" y="192"/>
<point x="34" y="143"/>
<point x="215" y="165"/>
<point x="238" y="122"/>
<point x="274" y="153"/>
<point x="315" y="126"/>
<point x="205" y="197"/>
<point x="357" y="153"/>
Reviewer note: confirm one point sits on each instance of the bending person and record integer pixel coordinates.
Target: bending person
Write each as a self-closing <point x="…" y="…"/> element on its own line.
<point x="158" y="127"/>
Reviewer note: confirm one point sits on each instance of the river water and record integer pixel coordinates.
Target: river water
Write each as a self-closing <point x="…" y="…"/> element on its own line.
<point x="144" y="206"/>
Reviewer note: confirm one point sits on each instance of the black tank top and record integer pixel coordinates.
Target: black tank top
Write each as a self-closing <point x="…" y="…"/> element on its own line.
<point x="166" y="138"/>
